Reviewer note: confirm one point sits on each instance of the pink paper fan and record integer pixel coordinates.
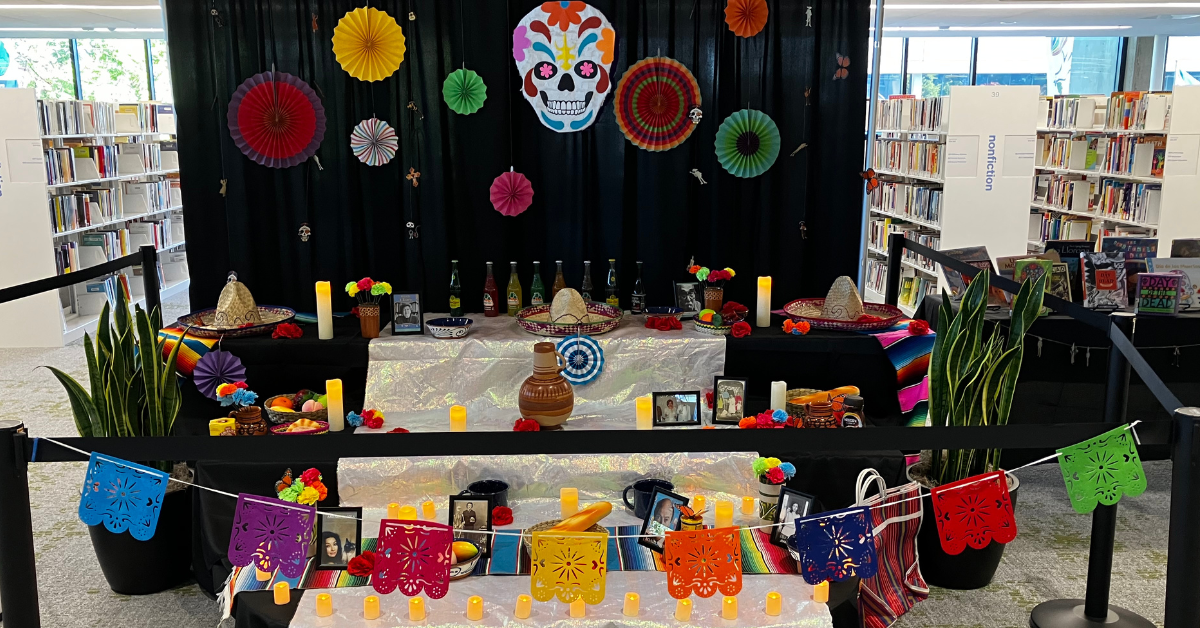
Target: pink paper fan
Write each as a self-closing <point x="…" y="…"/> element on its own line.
<point x="511" y="193"/>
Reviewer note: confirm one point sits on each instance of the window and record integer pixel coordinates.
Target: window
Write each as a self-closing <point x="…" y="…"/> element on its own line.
<point x="936" y="63"/>
<point x="161" y="64"/>
<point x="1083" y="65"/>
<point x="113" y="70"/>
<point x="1013" y="61"/>
<point x="1183" y="62"/>
<point x="891" y="53"/>
<point x="43" y="64"/>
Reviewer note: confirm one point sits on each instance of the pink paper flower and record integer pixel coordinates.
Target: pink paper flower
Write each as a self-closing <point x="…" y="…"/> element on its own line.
<point x="520" y="43"/>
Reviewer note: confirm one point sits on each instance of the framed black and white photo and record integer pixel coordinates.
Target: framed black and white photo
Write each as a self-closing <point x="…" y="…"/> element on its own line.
<point x="406" y="313"/>
<point x="793" y="505"/>
<point x="338" y="538"/>
<point x="689" y="297"/>
<point x="472" y="513"/>
<point x="729" y="399"/>
<point x="677" y="408"/>
<point x="664" y="516"/>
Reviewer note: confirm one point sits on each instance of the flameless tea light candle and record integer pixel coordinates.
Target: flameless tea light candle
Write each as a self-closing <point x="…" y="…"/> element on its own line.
<point x="324" y="605"/>
<point x="428" y="511"/>
<point x="333" y="394"/>
<point x="416" y="608"/>
<point x="568" y="501"/>
<point x="393" y="511"/>
<point x="683" y="610"/>
<point x="632" y="602"/>
<point x="723" y="515"/>
<point x="408" y="513"/>
<point x="747" y="505"/>
<point x="324" y="312"/>
<point x="729" y="607"/>
<point x="645" y="412"/>
<point x="698" y="503"/>
<point x="217" y="426"/>
<point x="458" y="418"/>
<point x="763" y="315"/>
<point x="371" y="607"/>
<point x="262" y="576"/>
<point x="821" y="593"/>
<point x="475" y="608"/>
<point x="774" y="603"/>
<point x="778" y="392"/>
<point x="283" y="594"/>
<point x="524" y="607"/>
<point x="578" y="608"/>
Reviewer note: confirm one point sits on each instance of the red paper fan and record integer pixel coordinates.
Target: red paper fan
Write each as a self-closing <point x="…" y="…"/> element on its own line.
<point x="511" y="193"/>
<point x="276" y="119"/>
<point x="746" y="17"/>
<point x="653" y="102"/>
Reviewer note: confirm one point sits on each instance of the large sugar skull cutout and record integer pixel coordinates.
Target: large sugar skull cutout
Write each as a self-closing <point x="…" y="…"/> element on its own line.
<point x="563" y="51"/>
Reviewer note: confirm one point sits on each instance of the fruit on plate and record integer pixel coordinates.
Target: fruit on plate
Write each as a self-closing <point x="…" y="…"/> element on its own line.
<point x="299" y="398"/>
<point x="463" y="551"/>
<point x="303" y="425"/>
<point x="311" y="406"/>
<point x="282" y="402"/>
<point x="583" y="519"/>
<point x="282" y="408"/>
<point x="706" y="316"/>
<point x="825" y="395"/>
<point x="323" y="400"/>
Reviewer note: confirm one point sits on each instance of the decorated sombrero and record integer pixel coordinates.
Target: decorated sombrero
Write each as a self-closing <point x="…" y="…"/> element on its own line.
<point x="842" y="308"/>
<point x="236" y="314"/>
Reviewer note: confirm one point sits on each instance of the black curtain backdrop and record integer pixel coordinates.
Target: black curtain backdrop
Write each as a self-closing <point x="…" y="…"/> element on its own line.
<point x="597" y="196"/>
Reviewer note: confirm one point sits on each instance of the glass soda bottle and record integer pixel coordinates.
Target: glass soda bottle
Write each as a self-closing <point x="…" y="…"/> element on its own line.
<point x="560" y="282"/>
<point x="491" y="294"/>
<point x="513" y="291"/>
<point x="637" y="301"/>
<point x="537" y="290"/>
<point x="586" y="289"/>
<point x="455" y="290"/>
<point x="610" y="285"/>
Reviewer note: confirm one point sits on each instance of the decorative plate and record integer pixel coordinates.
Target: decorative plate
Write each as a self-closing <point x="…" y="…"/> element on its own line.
<point x="583" y="357"/>
<point x="810" y="310"/>
<point x="282" y="430"/>
<point x="535" y="319"/>
<point x="271" y="316"/>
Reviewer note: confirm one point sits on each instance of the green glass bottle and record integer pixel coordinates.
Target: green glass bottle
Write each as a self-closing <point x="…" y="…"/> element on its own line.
<point x="513" y="290"/>
<point x="537" y="290"/>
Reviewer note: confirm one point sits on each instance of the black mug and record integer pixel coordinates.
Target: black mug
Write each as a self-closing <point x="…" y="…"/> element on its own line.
<point x="495" y="490"/>
<point x="642" y="490"/>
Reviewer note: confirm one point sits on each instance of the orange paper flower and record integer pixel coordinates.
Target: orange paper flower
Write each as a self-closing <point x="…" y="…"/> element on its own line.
<point x="746" y="17"/>
<point x="564" y="14"/>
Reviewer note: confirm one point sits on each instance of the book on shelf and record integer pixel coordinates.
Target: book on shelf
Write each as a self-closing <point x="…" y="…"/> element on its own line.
<point x="1007" y="266"/>
<point x="1072" y="111"/>
<point x="1188" y="268"/>
<point x="1104" y="284"/>
<point x="1185" y="247"/>
<point x="75" y="117"/>
<point x="1125" y="200"/>
<point x="1138" y="111"/>
<point x="1135" y="155"/>
<point x="1033" y="269"/>
<point x="1158" y="294"/>
<point x="978" y="257"/>
<point x="1068" y="252"/>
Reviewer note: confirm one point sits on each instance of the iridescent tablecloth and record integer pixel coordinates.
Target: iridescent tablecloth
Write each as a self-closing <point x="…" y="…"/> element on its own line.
<point x="415" y="379"/>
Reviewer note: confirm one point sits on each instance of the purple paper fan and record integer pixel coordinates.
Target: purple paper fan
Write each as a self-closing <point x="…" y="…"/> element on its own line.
<point x="244" y="144"/>
<point x="215" y="368"/>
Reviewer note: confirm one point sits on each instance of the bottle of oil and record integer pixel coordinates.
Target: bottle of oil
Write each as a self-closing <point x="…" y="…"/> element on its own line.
<point x="513" y="290"/>
<point x="610" y="285"/>
<point x="455" y="290"/>
<point x="585" y="290"/>
<point x="537" y="290"/>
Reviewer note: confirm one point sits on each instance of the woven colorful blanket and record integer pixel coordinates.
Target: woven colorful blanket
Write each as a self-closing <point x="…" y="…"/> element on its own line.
<point x="909" y="354"/>
<point x="192" y="350"/>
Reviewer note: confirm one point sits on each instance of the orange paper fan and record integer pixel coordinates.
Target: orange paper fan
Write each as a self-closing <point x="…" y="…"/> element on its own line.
<point x="746" y="17"/>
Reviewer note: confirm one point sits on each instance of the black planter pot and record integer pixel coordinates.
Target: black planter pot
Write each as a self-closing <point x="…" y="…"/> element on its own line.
<point x="134" y="567"/>
<point x="973" y="568"/>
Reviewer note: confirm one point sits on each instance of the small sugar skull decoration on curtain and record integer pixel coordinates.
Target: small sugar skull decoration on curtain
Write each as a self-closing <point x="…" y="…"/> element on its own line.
<point x="563" y="51"/>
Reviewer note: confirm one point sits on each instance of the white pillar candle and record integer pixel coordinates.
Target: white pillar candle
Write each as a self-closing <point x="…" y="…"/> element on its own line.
<point x="333" y="394"/>
<point x="778" y="394"/>
<point x="324" y="312"/>
<point x="764" y="302"/>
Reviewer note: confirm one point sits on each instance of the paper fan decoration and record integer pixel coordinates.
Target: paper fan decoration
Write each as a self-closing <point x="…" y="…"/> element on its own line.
<point x="583" y="357"/>
<point x="653" y="101"/>
<point x="464" y="91"/>
<point x="276" y="119"/>
<point x="746" y="18"/>
<point x="747" y="143"/>
<point x="511" y="193"/>
<point x="215" y="368"/>
<point x="368" y="44"/>
<point x="373" y="142"/>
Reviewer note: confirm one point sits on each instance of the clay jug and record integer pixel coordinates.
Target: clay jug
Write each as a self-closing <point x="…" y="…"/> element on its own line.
<point x="546" y="396"/>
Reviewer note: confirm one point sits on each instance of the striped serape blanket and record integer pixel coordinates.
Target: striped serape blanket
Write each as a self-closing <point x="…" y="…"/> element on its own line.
<point x="192" y="350"/>
<point x="909" y="354"/>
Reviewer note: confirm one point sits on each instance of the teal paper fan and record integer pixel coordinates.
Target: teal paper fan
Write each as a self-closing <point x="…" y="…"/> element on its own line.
<point x="747" y="143"/>
<point x="464" y="91"/>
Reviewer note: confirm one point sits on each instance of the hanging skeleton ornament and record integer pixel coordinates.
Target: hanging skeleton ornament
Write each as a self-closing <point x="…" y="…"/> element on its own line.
<point x="696" y="115"/>
<point x="699" y="177"/>
<point x="563" y="52"/>
<point x="305" y="232"/>
<point x="414" y="230"/>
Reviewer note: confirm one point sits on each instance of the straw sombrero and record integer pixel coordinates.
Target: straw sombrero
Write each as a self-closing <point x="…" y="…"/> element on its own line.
<point x="843" y="308"/>
<point x="236" y="314"/>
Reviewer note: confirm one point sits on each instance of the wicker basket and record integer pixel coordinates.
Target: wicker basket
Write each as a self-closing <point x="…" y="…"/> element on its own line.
<point x="279" y="418"/>
<point x="797" y="409"/>
<point x="604" y="318"/>
<point x="527" y="535"/>
<point x="712" y="330"/>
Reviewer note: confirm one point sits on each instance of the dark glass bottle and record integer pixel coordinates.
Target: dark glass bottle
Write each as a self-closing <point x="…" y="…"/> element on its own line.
<point x="585" y="290"/>
<point x="560" y="282"/>
<point x="610" y="285"/>
<point x="537" y="290"/>
<point x="491" y="294"/>
<point x="637" y="300"/>
<point x="513" y="291"/>
<point x="455" y="290"/>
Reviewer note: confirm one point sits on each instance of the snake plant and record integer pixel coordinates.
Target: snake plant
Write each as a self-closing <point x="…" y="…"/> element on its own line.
<point x="134" y="392"/>
<point x="973" y="375"/>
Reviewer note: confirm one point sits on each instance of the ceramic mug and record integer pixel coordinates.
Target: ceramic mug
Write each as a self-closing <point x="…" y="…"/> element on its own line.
<point x="495" y="490"/>
<point x="642" y="490"/>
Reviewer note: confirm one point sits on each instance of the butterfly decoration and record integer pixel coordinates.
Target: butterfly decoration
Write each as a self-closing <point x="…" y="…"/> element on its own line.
<point x="843" y="67"/>
<point x="872" y="179"/>
<point x="314" y="22"/>
<point x="284" y="482"/>
<point x="807" y="94"/>
<point x="413" y="176"/>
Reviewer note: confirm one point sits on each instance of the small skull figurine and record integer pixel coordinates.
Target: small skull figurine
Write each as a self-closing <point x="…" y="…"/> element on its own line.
<point x="305" y="232"/>
<point x="414" y="230"/>
<point x="695" y="114"/>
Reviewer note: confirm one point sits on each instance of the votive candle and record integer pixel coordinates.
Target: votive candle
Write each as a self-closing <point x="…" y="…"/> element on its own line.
<point x="698" y="503"/>
<point x="747" y="505"/>
<point x="524" y="607"/>
<point x="632" y="604"/>
<point x="333" y="396"/>
<point x="568" y="499"/>
<point x="458" y="418"/>
<point x="371" y="607"/>
<point x="428" y="510"/>
<point x="324" y="312"/>
<point x="763" y="318"/>
<point x="778" y="394"/>
<point x="821" y="592"/>
<point x="774" y="603"/>
<point x="475" y="608"/>
<point x="416" y="608"/>
<point x="578" y="608"/>
<point x="324" y="605"/>
<point x="408" y="513"/>
<point x="393" y="511"/>
<point x="283" y="594"/>
<point x="683" y="610"/>
<point x="645" y="412"/>
<point x="723" y="515"/>
<point x="261" y="575"/>
<point x="729" y="607"/>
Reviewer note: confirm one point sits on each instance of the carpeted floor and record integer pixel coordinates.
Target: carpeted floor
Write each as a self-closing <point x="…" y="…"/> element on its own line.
<point x="1047" y="560"/>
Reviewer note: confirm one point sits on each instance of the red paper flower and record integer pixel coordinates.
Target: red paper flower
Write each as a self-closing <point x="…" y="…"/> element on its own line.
<point x="918" y="328"/>
<point x="804" y="327"/>
<point x="765" y="421"/>
<point x="868" y="318"/>
<point x="397" y="430"/>
<point x="526" y="425"/>
<point x="733" y="312"/>
<point x="663" y="323"/>
<point x="310" y="476"/>
<point x="501" y="516"/>
<point x="365" y="284"/>
<point x="719" y="275"/>
<point x="775" y="475"/>
<point x="650" y="322"/>
<point x="362" y="565"/>
<point x="372" y="419"/>
<point x="287" y="330"/>
<point x="241" y="385"/>
<point x="354" y="312"/>
<point x="748" y="423"/>
<point x="741" y="329"/>
<point x="708" y="399"/>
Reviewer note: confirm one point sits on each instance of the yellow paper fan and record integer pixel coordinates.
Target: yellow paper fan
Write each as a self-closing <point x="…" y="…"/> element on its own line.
<point x="369" y="44"/>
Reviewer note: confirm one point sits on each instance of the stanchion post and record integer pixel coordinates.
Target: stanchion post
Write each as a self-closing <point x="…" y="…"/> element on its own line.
<point x="895" y="254"/>
<point x="18" y="569"/>
<point x="150" y="278"/>
<point x="1116" y="393"/>
<point x="1183" y="545"/>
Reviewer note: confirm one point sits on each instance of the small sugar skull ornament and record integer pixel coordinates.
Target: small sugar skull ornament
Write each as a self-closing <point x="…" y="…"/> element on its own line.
<point x="563" y="51"/>
<point x="305" y="232"/>
<point x="696" y="115"/>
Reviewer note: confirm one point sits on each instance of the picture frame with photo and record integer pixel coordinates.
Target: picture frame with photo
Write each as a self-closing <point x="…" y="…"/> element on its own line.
<point x="663" y="516"/>
<point x="675" y="408"/>
<point x="338" y="539"/>
<point x="689" y="297"/>
<point x="729" y="399"/>
<point x="470" y="514"/>
<point x="792" y="505"/>
<point x="407" y="314"/>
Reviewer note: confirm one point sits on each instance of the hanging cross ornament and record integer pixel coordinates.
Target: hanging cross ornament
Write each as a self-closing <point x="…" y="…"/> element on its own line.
<point x="413" y="176"/>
